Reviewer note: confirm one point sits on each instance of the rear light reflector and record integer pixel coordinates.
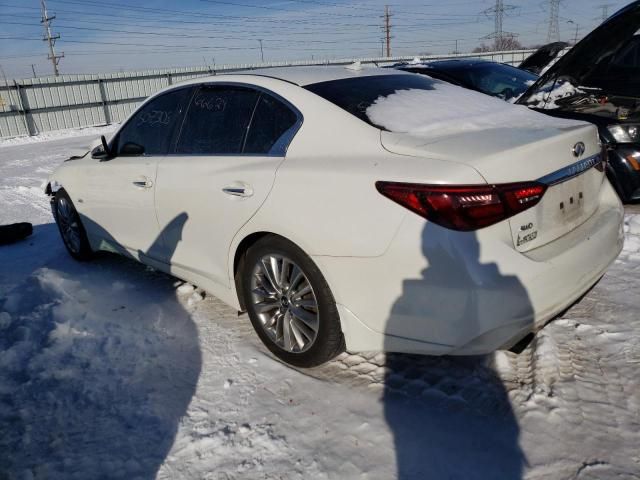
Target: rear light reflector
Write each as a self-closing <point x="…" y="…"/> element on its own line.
<point x="464" y="207"/>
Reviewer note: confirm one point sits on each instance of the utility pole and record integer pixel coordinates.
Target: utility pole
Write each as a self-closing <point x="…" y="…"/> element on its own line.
<point x="49" y="38"/>
<point x="498" y="11"/>
<point x="387" y="29"/>
<point x="553" y="34"/>
<point x="261" y="50"/>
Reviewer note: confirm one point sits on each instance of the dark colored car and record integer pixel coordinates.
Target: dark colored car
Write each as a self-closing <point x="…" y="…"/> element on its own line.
<point x="598" y="81"/>
<point x="495" y="79"/>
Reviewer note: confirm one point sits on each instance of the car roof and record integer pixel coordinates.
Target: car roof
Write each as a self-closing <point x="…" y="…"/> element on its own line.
<point x="303" y="76"/>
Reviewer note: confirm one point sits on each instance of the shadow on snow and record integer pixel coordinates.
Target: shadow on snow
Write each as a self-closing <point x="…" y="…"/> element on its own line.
<point x="99" y="363"/>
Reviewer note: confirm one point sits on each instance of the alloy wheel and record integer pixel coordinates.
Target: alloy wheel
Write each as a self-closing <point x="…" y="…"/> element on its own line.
<point x="69" y="225"/>
<point x="285" y="303"/>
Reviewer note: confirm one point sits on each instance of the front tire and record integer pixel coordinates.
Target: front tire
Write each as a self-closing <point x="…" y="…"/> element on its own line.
<point x="70" y="226"/>
<point x="290" y="304"/>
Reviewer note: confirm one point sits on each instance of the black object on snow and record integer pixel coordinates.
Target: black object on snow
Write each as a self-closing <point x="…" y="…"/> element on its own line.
<point x="13" y="233"/>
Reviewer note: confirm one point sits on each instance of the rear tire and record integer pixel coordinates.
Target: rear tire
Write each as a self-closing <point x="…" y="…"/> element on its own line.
<point x="70" y="226"/>
<point x="290" y="304"/>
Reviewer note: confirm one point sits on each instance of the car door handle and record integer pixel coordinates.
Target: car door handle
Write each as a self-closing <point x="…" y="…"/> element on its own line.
<point x="143" y="183"/>
<point x="238" y="190"/>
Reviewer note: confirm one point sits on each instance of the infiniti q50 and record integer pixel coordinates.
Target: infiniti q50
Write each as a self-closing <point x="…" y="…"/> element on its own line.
<point x="339" y="215"/>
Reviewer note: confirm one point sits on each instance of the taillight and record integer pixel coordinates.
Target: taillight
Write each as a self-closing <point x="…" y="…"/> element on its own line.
<point x="464" y="207"/>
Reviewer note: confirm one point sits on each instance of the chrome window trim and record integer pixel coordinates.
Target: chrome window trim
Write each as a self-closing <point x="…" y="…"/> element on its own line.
<point x="571" y="171"/>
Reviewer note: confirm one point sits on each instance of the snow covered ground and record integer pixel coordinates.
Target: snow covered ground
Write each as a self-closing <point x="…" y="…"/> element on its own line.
<point x="111" y="370"/>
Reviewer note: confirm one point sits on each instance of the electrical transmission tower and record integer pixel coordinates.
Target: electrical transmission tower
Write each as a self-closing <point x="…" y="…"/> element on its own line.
<point x="49" y="38"/>
<point x="499" y="11"/>
<point x="554" y="25"/>
<point x="605" y="10"/>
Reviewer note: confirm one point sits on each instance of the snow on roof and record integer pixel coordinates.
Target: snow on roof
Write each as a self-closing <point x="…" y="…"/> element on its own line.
<point x="448" y="109"/>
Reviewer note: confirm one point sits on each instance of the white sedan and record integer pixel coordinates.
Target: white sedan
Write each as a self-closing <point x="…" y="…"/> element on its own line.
<point x="353" y="208"/>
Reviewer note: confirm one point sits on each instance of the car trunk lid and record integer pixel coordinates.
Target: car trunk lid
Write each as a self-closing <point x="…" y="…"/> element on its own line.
<point x="561" y="157"/>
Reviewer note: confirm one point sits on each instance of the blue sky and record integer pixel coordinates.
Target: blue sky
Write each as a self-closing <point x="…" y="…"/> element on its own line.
<point x="114" y="35"/>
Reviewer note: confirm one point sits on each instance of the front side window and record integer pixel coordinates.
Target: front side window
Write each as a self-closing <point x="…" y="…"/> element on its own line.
<point x="271" y="128"/>
<point x="152" y="127"/>
<point x="217" y="120"/>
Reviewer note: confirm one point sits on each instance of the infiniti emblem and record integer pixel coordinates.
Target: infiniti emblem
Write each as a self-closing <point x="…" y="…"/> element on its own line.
<point x="578" y="149"/>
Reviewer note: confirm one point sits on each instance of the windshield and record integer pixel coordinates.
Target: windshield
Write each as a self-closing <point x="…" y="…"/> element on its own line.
<point x="356" y="95"/>
<point x="499" y="80"/>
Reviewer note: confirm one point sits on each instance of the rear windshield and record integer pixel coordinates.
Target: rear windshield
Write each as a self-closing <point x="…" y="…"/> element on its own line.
<point x="355" y="95"/>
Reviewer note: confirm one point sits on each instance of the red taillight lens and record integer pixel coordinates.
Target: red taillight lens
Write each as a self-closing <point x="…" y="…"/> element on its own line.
<point x="464" y="207"/>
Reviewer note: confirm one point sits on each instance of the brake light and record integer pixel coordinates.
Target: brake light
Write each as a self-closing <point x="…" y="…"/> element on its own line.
<point x="464" y="207"/>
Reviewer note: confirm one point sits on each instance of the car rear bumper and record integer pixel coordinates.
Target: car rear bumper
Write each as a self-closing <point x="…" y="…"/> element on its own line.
<point x="436" y="291"/>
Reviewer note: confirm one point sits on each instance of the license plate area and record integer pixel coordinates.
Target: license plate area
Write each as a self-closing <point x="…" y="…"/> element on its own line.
<point x="564" y="207"/>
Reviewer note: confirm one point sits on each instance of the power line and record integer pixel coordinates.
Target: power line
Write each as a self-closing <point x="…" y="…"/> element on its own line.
<point x="50" y="39"/>
<point x="190" y="36"/>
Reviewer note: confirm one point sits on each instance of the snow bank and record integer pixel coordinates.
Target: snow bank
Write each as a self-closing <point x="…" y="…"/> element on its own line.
<point x="448" y="109"/>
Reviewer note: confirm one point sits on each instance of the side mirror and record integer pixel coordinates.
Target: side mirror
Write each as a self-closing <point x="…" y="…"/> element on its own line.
<point x="102" y="151"/>
<point x="132" y="149"/>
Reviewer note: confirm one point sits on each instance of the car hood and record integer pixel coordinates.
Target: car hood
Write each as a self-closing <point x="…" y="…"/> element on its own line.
<point x="543" y="57"/>
<point x="579" y="76"/>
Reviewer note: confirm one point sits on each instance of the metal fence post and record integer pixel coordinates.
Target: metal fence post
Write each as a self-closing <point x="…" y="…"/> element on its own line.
<point x="21" y="106"/>
<point x="169" y="79"/>
<point x="103" y="99"/>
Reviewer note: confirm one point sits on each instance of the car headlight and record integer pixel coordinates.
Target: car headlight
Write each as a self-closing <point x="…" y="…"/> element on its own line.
<point x="625" y="133"/>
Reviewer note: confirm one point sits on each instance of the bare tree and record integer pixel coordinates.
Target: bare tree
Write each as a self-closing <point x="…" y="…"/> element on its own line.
<point x="500" y="45"/>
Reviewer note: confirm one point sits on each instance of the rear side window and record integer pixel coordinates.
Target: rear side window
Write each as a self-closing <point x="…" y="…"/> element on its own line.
<point x="217" y="120"/>
<point x="153" y="125"/>
<point x="355" y="95"/>
<point x="271" y="128"/>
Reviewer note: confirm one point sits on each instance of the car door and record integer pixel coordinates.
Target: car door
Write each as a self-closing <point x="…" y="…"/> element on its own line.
<point x="232" y="140"/>
<point x="118" y="204"/>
